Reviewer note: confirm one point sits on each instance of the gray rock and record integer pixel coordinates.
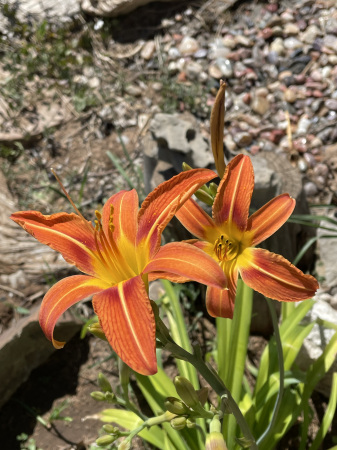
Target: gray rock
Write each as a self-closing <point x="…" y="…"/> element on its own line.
<point x="44" y="9"/>
<point x="317" y="340"/>
<point x="171" y="141"/>
<point x="328" y="251"/>
<point x="112" y="8"/>
<point x="24" y="347"/>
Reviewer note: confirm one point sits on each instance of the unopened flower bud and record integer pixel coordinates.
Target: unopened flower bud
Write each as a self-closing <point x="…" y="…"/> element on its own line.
<point x="190" y="423"/>
<point x="217" y="126"/>
<point x="186" y="167"/>
<point x="108" y="428"/>
<point x="215" y="439"/>
<point x="124" y="445"/>
<point x="110" y="397"/>
<point x="175" y="406"/>
<point x="104" y="383"/>
<point x="98" y="395"/>
<point x="213" y="189"/>
<point x="186" y="391"/>
<point x="97" y="331"/>
<point x="178" y="423"/>
<point x="204" y="197"/>
<point x="105" y="440"/>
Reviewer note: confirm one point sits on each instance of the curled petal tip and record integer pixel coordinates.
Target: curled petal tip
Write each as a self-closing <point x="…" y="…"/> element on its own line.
<point x="58" y="344"/>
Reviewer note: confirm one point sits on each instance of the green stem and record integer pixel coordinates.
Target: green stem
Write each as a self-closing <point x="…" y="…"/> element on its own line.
<point x="210" y="376"/>
<point x="278" y="341"/>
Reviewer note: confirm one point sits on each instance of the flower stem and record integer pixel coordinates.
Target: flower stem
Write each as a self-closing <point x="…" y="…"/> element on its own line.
<point x="278" y="341"/>
<point x="209" y="375"/>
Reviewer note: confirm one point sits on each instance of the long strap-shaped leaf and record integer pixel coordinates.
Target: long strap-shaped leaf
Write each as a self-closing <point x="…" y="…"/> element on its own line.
<point x="232" y="343"/>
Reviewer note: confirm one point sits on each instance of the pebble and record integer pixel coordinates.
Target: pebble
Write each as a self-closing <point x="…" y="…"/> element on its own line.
<point x="193" y="70"/>
<point x="292" y="43"/>
<point x="214" y="71"/>
<point x="290" y="95"/>
<point x="331" y="104"/>
<point x="291" y="29"/>
<point x="310" y="189"/>
<point x="310" y="34"/>
<point x="174" y="53"/>
<point x="225" y="66"/>
<point x="148" y="50"/>
<point x="260" y="105"/>
<point x="243" y="139"/>
<point x="303" y="125"/>
<point x="188" y="46"/>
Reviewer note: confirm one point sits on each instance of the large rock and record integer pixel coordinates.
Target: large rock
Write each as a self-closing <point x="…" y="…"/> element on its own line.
<point x="173" y="139"/>
<point x="315" y="343"/>
<point x="328" y="251"/>
<point x="113" y="8"/>
<point x="24" y="347"/>
<point x="38" y="10"/>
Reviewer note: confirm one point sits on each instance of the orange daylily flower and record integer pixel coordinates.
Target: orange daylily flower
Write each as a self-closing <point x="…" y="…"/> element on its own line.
<point x="119" y="255"/>
<point x="230" y="237"/>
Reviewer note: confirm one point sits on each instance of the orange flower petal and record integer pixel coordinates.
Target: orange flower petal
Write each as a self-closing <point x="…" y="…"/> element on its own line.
<point x="274" y="276"/>
<point x="268" y="219"/>
<point x="234" y="194"/>
<point x="188" y="261"/>
<point x="194" y="219"/>
<point x="220" y="302"/>
<point x="127" y="320"/>
<point x="62" y="296"/>
<point x="66" y="233"/>
<point x="163" y="202"/>
<point x="124" y="217"/>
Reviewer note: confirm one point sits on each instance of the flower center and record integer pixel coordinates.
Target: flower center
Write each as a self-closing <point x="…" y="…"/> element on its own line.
<point x="108" y="252"/>
<point x="226" y="249"/>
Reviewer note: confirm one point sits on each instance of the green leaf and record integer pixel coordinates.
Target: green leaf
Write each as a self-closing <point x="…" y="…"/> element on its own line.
<point x="328" y="416"/>
<point x="232" y="368"/>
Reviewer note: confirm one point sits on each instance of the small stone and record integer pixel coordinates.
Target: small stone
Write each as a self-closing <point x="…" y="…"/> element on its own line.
<point x="260" y="105"/>
<point x="157" y="86"/>
<point x="290" y="95"/>
<point x="310" y="34"/>
<point x="225" y="66"/>
<point x="310" y="189"/>
<point x="303" y="125"/>
<point x="277" y="46"/>
<point x="173" y="53"/>
<point x="188" y="46"/>
<point x="148" y="50"/>
<point x="316" y="75"/>
<point x="300" y="144"/>
<point x="214" y="71"/>
<point x="292" y="43"/>
<point x="291" y="29"/>
<point x="193" y="70"/>
<point x="172" y="68"/>
<point x="244" y="41"/>
<point x="331" y="104"/>
<point x="201" y="53"/>
<point x="330" y="41"/>
<point x="243" y="139"/>
<point x="309" y="158"/>
<point x="218" y="50"/>
<point x="133" y="90"/>
<point x="229" y="143"/>
<point x="321" y="170"/>
<point x="302" y="166"/>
